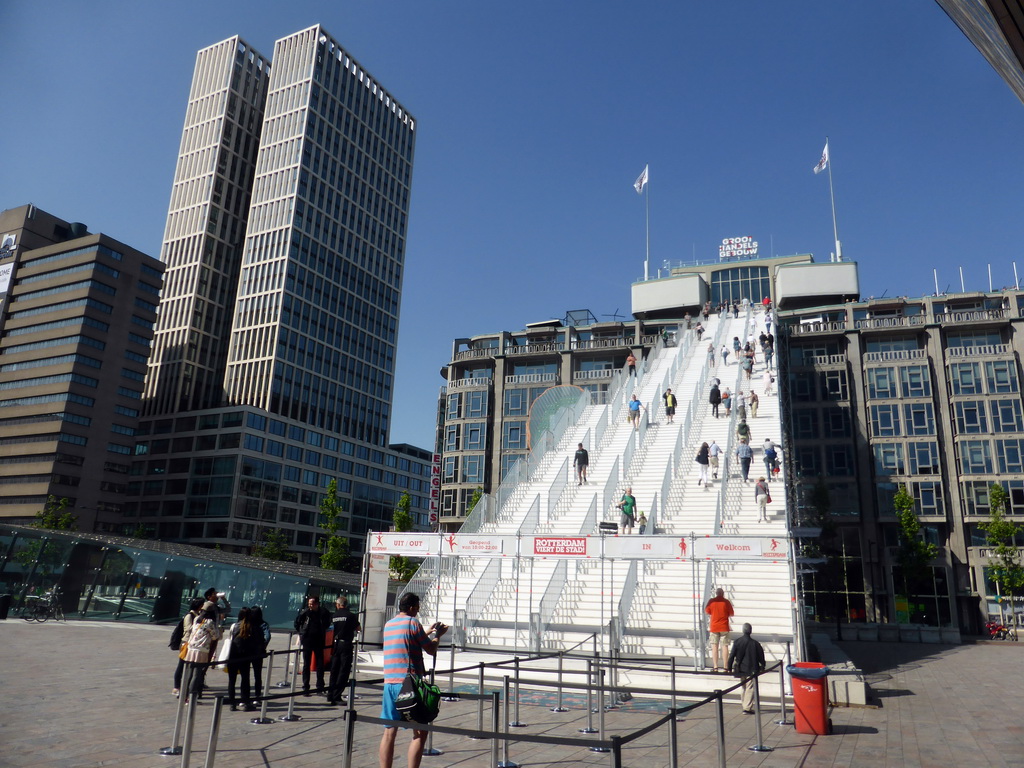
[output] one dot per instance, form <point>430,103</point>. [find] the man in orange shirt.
<point>720,610</point>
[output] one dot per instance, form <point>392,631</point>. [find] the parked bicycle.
<point>43,608</point>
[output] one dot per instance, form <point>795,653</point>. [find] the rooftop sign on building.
<point>733,247</point>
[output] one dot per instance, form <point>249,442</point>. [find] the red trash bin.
<point>810,697</point>
<point>329,647</point>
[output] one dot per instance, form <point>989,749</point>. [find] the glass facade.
<point>107,579</point>
<point>738,283</point>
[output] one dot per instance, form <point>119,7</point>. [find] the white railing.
<point>803,329</point>
<point>616,343</point>
<point>610,486</point>
<point>894,354</point>
<point>981,350</point>
<point>475,354</point>
<point>603,373</point>
<point>532,378</point>
<point>627,454</point>
<point>901,321</point>
<point>557,487</point>
<point>532,349</point>
<point>589,524</point>
<point>828,360</point>
<point>972,316</point>
<point>468,383</point>
<point>552,593</point>
<point>480,596</point>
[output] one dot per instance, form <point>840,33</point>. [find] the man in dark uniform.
<point>345,627</point>
<point>312,624</point>
<point>746,660</point>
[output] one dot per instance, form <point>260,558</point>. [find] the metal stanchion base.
<point>282,685</point>
<point>600,749</point>
<point>289,718</point>
<point>516,724</point>
<point>432,752</point>
<point>261,720</point>
<point>586,730</point>
<point>170,751</point>
<point>756,748</point>
<point>559,709</point>
<point>508,764</point>
<point>451,698</point>
<point>783,722</point>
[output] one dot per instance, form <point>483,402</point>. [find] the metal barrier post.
<point>558,706</point>
<point>495,725</point>
<point>515,720</point>
<point>590,700</point>
<point>783,717</point>
<point>616,751</point>
<point>291,716</point>
<point>600,716</point>
<point>350,733</point>
<point>759,747</point>
<point>190,724</point>
<point>720,724</point>
<point>506,763</point>
<point>263,719</point>
<point>480,703</point>
<point>673,744</point>
<point>284,681</point>
<point>186,683</point>
<point>211,747</point>
<point>430,751</point>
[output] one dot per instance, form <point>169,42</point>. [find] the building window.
<point>450,469</point>
<point>516,403</point>
<point>475,436</point>
<point>473,468</point>
<point>975,457</point>
<point>1001,376</point>
<point>915,381</point>
<point>919,419</point>
<point>1008,455</point>
<point>885,420</point>
<point>924,458</point>
<point>805,424</point>
<point>808,461</point>
<point>802,387</point>
<point>453,406</point>
<point>1006,415</point>
<point>513,436</point>
<point>834,386</point>
<point>965,378</point>
<point>881,383</point>
<point>452,437</point>
<point>839,460</point>
<point>970,417</point>
<point>476,404</point>
<point>889,459</point>
<point>837,422</point>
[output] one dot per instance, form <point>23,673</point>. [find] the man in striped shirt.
<point>404,644</point>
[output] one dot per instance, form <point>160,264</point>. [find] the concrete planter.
<point>910,633</point>
<point>888,633</point>
<point>931,635</point>
<point>867,633</point>
<point>950,635</point>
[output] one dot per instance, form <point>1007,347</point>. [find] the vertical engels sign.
<point>8,243</point>
<point>435,486</point>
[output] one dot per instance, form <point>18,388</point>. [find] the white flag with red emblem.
<point>823,163</point>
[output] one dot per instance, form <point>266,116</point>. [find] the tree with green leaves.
<point>1000,533</point>
<point>915,555</point>
<point>272,545</point>
<point>55,515</point>
<point>401,567</point>
<point>334,549</point>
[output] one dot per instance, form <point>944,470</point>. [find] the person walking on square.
<point>768,380</point>
<point>201,641</point>
<point>744,453</point>
<point>745,660</point>
<point>405,642</point>
<point>769,355</point>
<point>627,505</point>
<point>713,453</point>
<point>700,331</point>
<point>312,624</point>
<point>727,403</point>
<point>711,355</point>
<point>741,405</point>
<point>720,610</point>
<point>634,411</point>
<point>195,607</point>
<point>743,431</point>
<point>736,346</point>
<point>770,455</point>
<point>670,404</point>
<point>753,401</point>
<point>631,362</point>
<point>581,460</point>
<point>246,644</point>
<point>762,497</point>
<point>703,459</point>
<point>346,625</point>
<point>715,398</point>
<point>725,355</point>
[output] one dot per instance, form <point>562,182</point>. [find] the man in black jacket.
<point>746,659</point>
<point>345,627</point>
<point>312,624</point>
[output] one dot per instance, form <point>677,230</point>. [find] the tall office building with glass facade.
<point>281,346</point>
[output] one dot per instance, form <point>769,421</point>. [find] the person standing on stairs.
<point>753,401</point>
<point>763,498</point>
<point>627,505</point>
<point>770,455</point>
<point>631,362</point>
<point>634,411</point>
<point>670,404</point>
<point>725,355</point>
<point>720,610</point>
<point>744,453</point>
<point>581,461</point>
<point>713,452</point>
<point>715,398</point>
<point>711,355</point>
<point>703,459</point>
<point>727,403</point>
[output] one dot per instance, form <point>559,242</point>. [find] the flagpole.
<point>832,194</point>
<point>647,221</point>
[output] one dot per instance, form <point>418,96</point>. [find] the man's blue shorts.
<point>388,711</point>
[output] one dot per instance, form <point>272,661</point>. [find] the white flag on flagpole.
<point>641,181</point>
<point>823,163</point>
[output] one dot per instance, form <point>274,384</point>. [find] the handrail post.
<point>430,751</point>
<point>495,725</point>
<point>263,719</point>
<point>480,706</point>
<point>759,747</point>
<point>720,726</point>
<point>673,742</point>
<point>515,721</point>
<point>211,747</point>
<point>558,706</point>
<point>190,724</point>
<point>783,716</point>
<point>350,732</point>
<point>284,681</point>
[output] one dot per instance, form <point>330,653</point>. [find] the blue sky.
<point>534,119</point>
